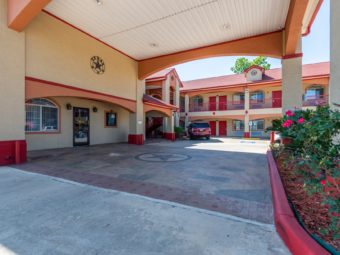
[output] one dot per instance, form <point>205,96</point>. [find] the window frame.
<point>314,87</point>
<point>240,102</point>
<point>264,122</point>
<point>256,101</point>
<point>55,106</point>
<point>233,125</point>
<point>105,119</point>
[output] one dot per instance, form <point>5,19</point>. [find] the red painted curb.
<point>295,237</point>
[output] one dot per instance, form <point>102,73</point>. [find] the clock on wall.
<point>97,65</point>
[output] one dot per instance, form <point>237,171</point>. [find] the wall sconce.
<point>68,106</point>
<point>94,109</point>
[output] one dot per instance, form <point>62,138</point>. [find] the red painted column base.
<point>136,139</point>
<point>170,136</point>
<point>246,135</point>
<point>13,152</point>
<point>295,237</point>
<point>272,137</point>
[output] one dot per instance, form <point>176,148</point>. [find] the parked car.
<point>199,129</point>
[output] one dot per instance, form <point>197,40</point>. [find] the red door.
<point>213,127</point>
<point>222,128</point>
<point>222,103</point>
<point>212,103</point>
<point>277,99</point>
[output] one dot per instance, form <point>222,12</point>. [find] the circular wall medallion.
<point>253,72</point>
<point>162,157</point>
<point>97,65</point>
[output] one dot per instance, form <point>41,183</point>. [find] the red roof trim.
<point>297,55</point>
<point>93,37</point>
<point>156,102</point>
<point>317,9</point>
<point>254,66</point>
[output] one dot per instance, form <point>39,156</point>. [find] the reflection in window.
<point>238,98</point>
<point>314,92</point>
<point>238,125</point>
<point>41,116</point>
<point>257,125</point>
<point>257,97</point>
<point>197,101</point>
<point>110,119</point>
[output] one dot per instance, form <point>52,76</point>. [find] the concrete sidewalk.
<point>46,215</point>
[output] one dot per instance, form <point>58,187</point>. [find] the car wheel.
<point>191,137</point>
<point>208,137</point>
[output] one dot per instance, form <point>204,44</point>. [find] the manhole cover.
<point>162,157</point>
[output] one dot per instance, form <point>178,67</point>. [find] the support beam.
<point>263,45</point>
<point>246,115</point>
<point>334,86</point>
<point>292,33</point>
<point>291,83</point>
<point>21,12</point>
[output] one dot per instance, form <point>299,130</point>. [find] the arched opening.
<point>154,121</point>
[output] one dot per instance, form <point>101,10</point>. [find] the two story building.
<point>243,105</point>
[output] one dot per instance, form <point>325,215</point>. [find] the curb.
<point>298,241</point>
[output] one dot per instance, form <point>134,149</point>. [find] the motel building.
<point>76,73</point>
<point>244,105</point>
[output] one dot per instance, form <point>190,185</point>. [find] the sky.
<point>315,47</point>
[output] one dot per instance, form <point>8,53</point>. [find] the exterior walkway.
<point>224,175</point>
<point>47,215</point>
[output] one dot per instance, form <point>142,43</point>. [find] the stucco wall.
<point>59,53</point>
<point>12,80</point>
<point>98,133</point>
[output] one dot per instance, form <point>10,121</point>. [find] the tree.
<point>243,63</point>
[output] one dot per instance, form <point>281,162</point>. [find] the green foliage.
<point>315,153</point>
<point>243,63</point>
<point>179,130</point>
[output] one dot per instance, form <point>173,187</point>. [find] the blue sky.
<point>315,49</point>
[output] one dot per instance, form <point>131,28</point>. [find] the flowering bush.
<point>314,156</point>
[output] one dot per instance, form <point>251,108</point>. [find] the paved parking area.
<point>223,175</point>
<point>47,215</point>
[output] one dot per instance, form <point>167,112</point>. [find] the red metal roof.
<point>155,101</point>
<point>308,71</point>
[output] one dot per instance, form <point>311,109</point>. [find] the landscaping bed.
<point>309,166</point>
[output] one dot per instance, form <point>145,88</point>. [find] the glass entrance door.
<point>81,126</point>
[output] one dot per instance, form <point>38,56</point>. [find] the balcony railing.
<point>266,103</point>
<point>315,100</point>
<point>216,107</point>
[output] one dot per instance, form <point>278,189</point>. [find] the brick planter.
<point>292,233</point>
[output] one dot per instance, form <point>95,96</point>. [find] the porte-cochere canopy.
<point>159,34</point>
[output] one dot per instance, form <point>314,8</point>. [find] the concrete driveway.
<point>40,214</point>
<point>224,175</point>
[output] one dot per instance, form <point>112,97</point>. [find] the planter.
<point>292,233</point>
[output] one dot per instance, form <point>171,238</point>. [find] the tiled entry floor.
<point>224,175</point>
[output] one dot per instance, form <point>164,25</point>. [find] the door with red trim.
<point>222,103</point>
<point>222,128</point>
<point>213,127</point>
<point>277,99</point>
<point>212,103</point>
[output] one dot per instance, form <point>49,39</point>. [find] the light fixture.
<point>153,45</point>
<point>68,106</point>
<point>94,109</point>
<point>99,2</point>
<point>226,26</point>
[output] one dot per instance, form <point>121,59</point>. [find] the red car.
<point>199,129</point>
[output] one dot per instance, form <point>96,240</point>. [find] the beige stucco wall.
<point>59,53</point>
<point>12,80</point>
<point>98,133</point>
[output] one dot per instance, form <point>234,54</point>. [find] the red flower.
<point>323,182</point>
<point>287,123</point>
<point>301,120</point>
<point>289,113</point>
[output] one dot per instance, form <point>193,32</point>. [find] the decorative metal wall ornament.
<point>97,65</point>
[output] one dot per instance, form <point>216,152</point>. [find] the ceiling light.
<point>99,2</point>
<point>226,26</point>
<point>153,45</point>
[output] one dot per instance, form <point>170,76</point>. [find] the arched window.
<point>42,115</point>
<point>314,92</point>
<point>257,97</point>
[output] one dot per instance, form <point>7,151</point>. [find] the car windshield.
<point>200,125</point>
